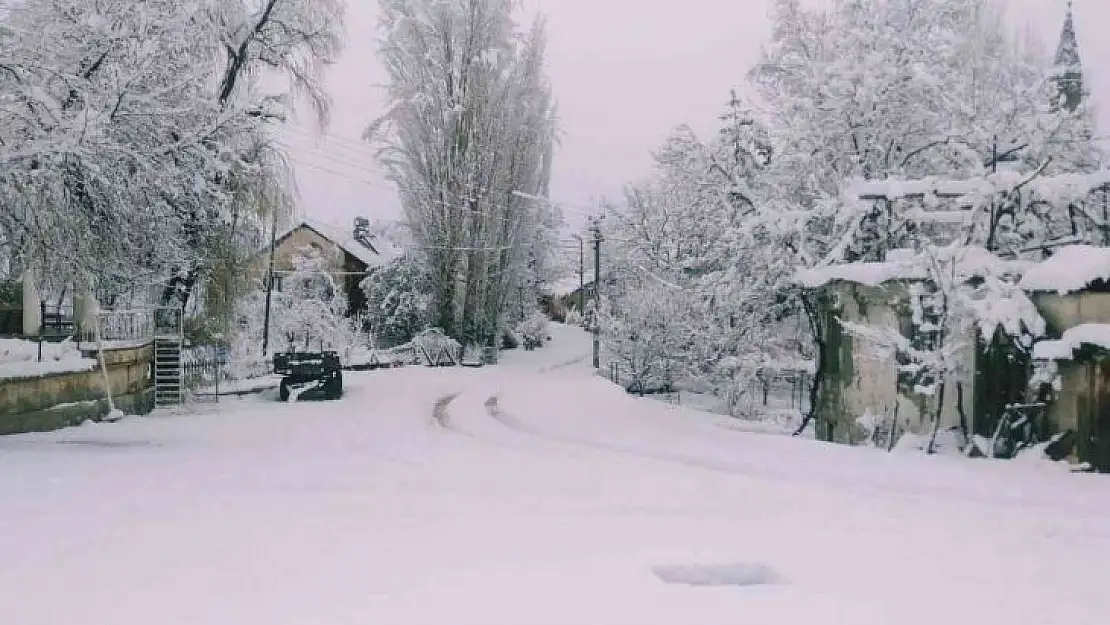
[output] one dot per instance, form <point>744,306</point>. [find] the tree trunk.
<point>813,316</point>
<point>936,424</point>
<point>444,290</point>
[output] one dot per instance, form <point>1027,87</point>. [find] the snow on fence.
<point>121,328</point>
<point>209,373</point>
<point>780,396</point>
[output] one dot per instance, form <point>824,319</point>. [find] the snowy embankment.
<point>535,495</point>
<point>20,359</point>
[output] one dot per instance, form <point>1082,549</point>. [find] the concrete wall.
<point>1063,413</point>
<point>1077,407</point>
<point>859,376</point>
<point>1062,312</point>
<point>49,402</point>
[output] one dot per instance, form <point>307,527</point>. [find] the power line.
<point>329,138</point>
<point>339,161</point>
<point>340,174</point>
<point>395,188</point>
<point>336,151</point>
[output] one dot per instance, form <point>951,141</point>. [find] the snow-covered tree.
<point>398,300</point>
<point>468,141</point>
<point>878,90</point>
<point>690,237</point>
<point>133,137</point>
<point>646,334</point>
<point>307,312</point>
<point>311,308</point>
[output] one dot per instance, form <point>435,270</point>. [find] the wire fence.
<point>767,394</point>
<point>788,390</point>
<point>208,373</point>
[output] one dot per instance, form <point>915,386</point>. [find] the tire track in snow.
<point>755,470</point>
<point>493,408</point>
<point>442,418</point>
<point>562,365</point>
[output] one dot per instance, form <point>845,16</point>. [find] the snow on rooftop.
<point>909,265</point>
<point>1072,268</point>
<point>1095,334</point>
<point>1059,189</point>
<point>345,239</point>
<point>867,273</point>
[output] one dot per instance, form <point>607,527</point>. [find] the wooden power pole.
<point>581,274</point>
<point>597,294</point>
<point>269,286</point>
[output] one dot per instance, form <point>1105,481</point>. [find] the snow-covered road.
<point>535,495</point>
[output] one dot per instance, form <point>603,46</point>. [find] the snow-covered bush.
<point>398,300</point>
<point>510,339</point>
<point>644,335</point>
<point>533,330</point>
<point>312,306</point>
<point>308,312</point>
<point>574,318</point>
<point>434,342</point>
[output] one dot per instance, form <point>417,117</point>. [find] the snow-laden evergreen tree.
<point>468,141</point>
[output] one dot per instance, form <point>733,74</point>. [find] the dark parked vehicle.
<point>309,375</point>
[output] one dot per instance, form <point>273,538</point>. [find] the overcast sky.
<point>625,72</point>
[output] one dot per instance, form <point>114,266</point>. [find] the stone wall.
<point>858,378</point>
<point>48,402</point>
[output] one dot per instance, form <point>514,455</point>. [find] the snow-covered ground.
<point>534,495</point>
<point>20,358</point>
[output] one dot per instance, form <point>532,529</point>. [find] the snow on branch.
<point>970,262</point>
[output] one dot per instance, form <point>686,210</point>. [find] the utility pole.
<point>581,274</point>
<point>597,294</point>
<point>269,286</point>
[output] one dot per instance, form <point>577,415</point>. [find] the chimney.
<point>362,231</point>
